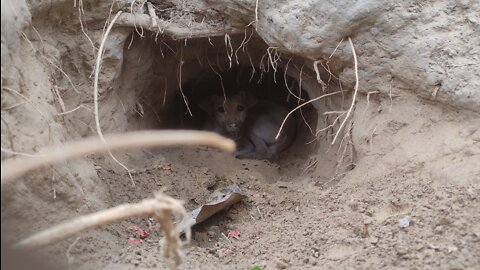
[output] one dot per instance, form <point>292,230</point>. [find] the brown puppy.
<point>253,124</point>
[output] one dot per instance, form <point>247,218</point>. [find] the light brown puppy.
<point>253,124</point>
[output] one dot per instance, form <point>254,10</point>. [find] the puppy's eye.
<point>221,109</point>
<point>240,108</point>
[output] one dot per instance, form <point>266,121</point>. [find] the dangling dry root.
<point>172,29</point>
<point>349,111</point>
<point>300,106</point>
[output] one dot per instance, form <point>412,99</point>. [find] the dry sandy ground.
<point>411,202</point>
<point>301,224</point>
<point>300,220</point>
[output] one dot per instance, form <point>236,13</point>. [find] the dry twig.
<point>336,48</point>
<point>298,102</point>
<point>256,15</point>
<point>80,12</point>
<point>161,207</point>
<point>286,84</point>
<point>368,101</point>
<point>75,109</point>
<point>319,79</point>
<point>153,14</point>
<point>229,48</point>
<point>243,44</point>
<point>180,64</point>
<point>221,80</point>
<point>13,169</point>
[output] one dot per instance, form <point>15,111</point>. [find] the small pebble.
<point>404,222</point>
<point>451,248</point>
<point>281,264</point>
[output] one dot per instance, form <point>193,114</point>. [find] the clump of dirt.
<point>399,188</point>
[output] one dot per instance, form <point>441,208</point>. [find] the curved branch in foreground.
<point>172,29</point>
<point>14,168</point>
<point>162,207</point>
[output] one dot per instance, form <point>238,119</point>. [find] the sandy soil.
<point>410,202</point>
<point>400,217</point>
<point>295,222</point>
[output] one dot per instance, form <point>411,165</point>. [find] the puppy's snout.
<point>232,127</point>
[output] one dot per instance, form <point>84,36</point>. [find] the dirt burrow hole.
<point>164,81</point>
<point>151,89</point>
<point>159,77</point>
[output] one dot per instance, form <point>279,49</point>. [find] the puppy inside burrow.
<point>250,110</point>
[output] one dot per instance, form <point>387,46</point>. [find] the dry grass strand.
<point>15,168</point>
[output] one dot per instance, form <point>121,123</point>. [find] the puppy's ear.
<point>247,99</point>
<point>206,105</point>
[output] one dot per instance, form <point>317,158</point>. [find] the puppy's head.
<point>229,113</point>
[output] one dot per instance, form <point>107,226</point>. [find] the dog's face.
<point>229,113</point>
